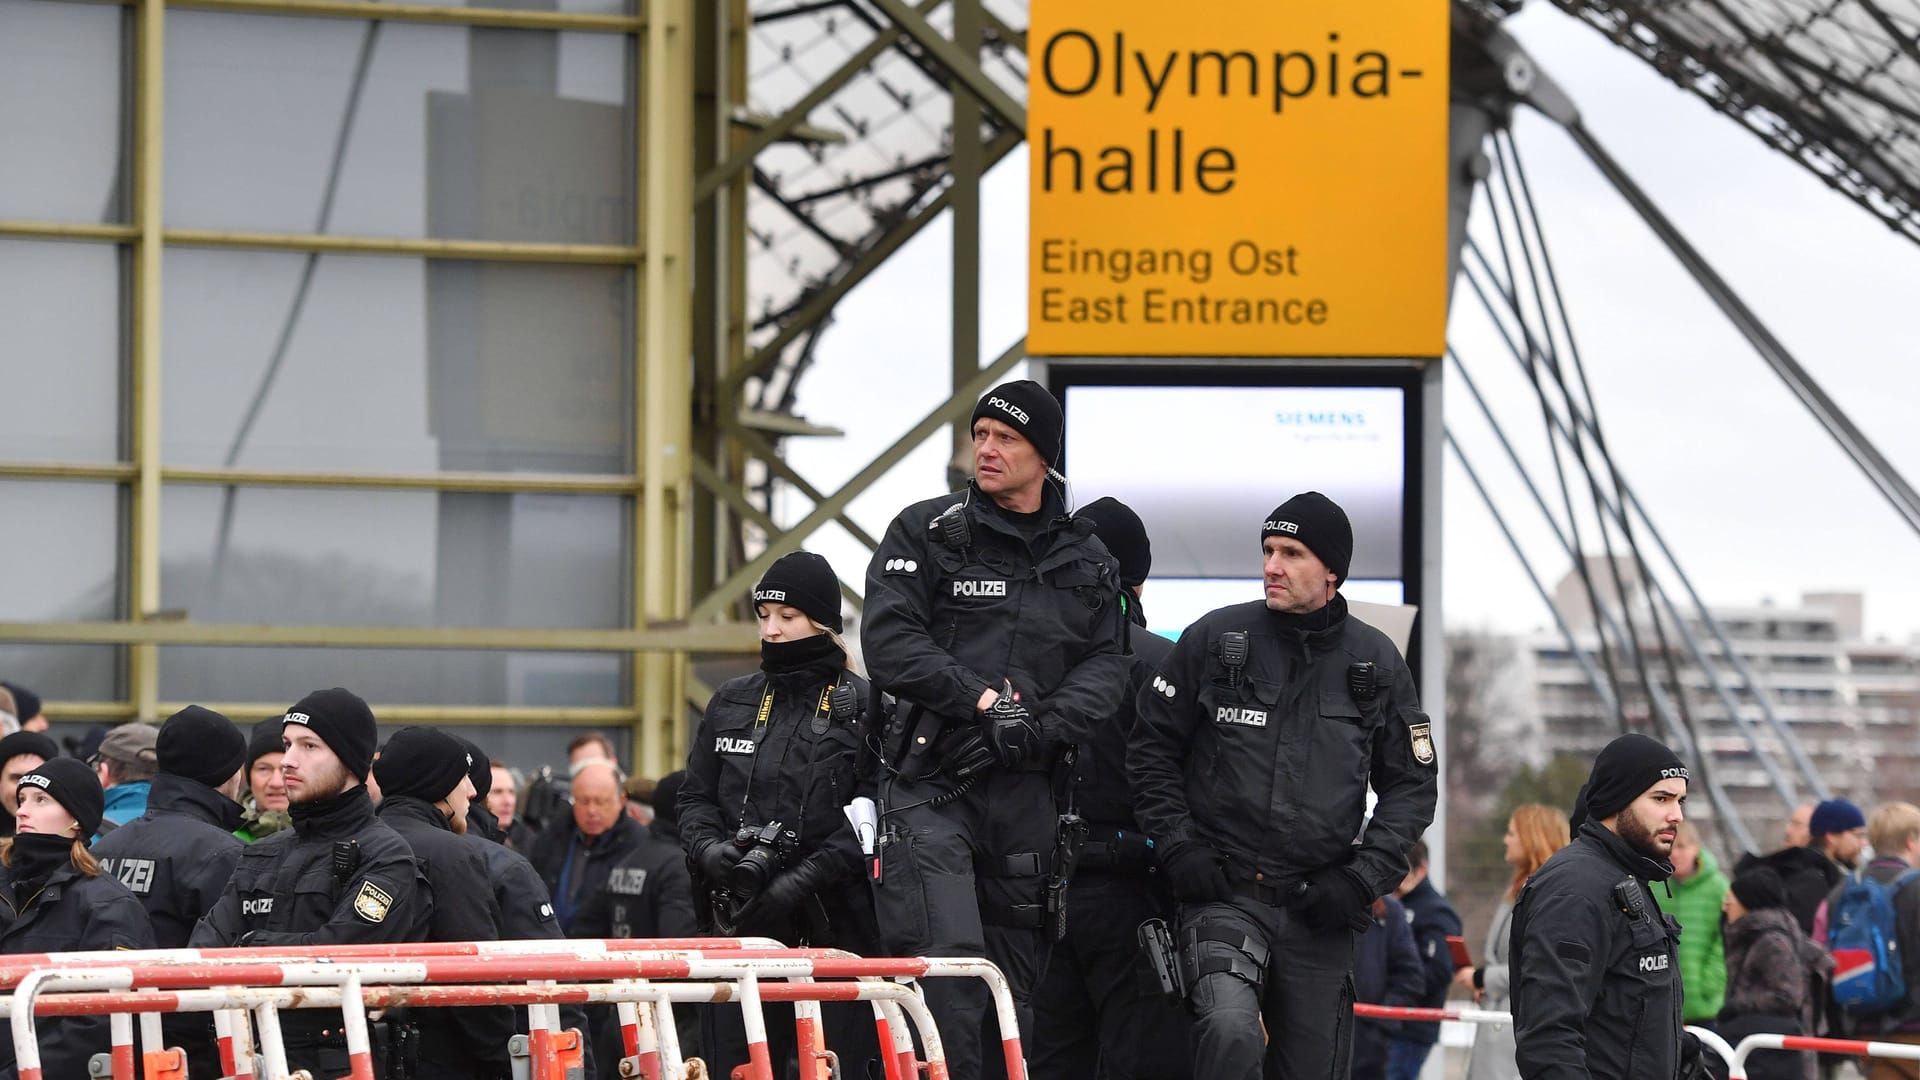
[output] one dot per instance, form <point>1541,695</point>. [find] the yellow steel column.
<point>662,591</point>
<point>144,561</point>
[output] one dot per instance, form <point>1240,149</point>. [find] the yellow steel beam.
<point>480,250</point>
<point>63,230</point>
<point>55,470</point>
<point>664,351</point>
<point>504,18</point>
<point>143,563</point>
<point>505,482</point>
<point>732,638</point>
<point>510,482</point>
<point>242,711</point>
<point>710,479</point>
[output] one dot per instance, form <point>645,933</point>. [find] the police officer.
<point>1255,746</point>
<point>339,876</point>
<point>422,774</point>
<point>779,755</point>
<point>1092,1015</point>
<point>53,898</point>
<point>178,856</point>
<point>526,911</point>
<point>993,615</point>
<point>1594,961</point>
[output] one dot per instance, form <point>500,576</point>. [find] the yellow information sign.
<point>1251,178</point>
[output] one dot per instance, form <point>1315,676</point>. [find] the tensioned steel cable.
<point>1579,560</point>
<point>1624,520</point>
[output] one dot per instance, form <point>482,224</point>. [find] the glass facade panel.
<point>300,125</point>
<point>62,100</point>
<point>60,551</point>
<point>66,672</point>
<point>394,676</point>
<point>62,324</point>
<point>394,558</point>
<point>377,363</point>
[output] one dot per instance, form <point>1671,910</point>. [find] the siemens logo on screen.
<point>1320,418</point>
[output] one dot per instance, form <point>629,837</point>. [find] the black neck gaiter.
<point>806,662</point>
<point>35,857</point>
<point>334,814</point>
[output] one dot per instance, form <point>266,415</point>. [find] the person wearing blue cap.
<point>1837,832</point>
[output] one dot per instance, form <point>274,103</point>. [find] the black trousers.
<point>1094,1015</point>
<point>966,878</point>
<point>1251,964</point>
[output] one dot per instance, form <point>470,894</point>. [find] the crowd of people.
<point>1190,859</point>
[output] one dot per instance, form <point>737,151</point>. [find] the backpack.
<point>1868,976</point>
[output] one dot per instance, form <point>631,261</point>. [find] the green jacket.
<point>1703,952</point>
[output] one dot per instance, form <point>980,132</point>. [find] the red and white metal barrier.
<point>225,980</point>
<point>1863,1048</point>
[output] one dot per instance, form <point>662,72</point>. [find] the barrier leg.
<point>121,1027</point>
<point>810,1040</point>
<point>353,1012</point>
<point>759,1064</point>
<point>542,1026</point>
<point>643,1045</point>
<point>273,1045</point>
<point>673,1066</point>
<point>160,1063</point>
<point>884,1030</point>
<point>241,1067</point>
<point>916,1007</point>
<point>903,1063</point>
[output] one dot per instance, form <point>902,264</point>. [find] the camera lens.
<point>750,874</point>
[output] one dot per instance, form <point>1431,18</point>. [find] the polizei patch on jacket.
<point>979,587</point>
<point>373,902</point>
<point>627,881</point>
<point>1422,742</point>
<point>1228,714</point>
<point>725,745</point>
<point>135,874</point>
<point>1656,962</point>
<point>261,906</point>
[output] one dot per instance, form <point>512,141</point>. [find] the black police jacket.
<point>1270,765</point>
<point>947,619</point>
<point>1596,966</point>
<point>1432,920</point>
<point>177,857</point>
<point>798,765</point>
<point>70,913</point>
<point>339,876</point>
<point>471,1039</point>
<point>1101,792</point>
<point>646,892</point>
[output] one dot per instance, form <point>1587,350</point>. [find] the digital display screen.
<point>1203,466</point>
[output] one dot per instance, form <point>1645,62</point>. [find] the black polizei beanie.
<point>74,786</point>
<point>423,762</point>
<point>1118,527</point>
<point>803,580</point>
<point>479,768</point>
<point>1625,769</point>
<point>1025,406</point>
<point>1318,522</point>
<point>344,722</point>
<point>200,744</point>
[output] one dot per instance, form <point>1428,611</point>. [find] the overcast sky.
<point>1756,500</point>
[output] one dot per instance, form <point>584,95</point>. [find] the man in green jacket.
<point>1698,888</point>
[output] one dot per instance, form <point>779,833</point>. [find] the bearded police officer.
<point>179,855</point>
<point>1255,746</point>
<point>425,795</point>
<point>1092,1015</point>
<point>339,876</point>
<point>993,615</point>
<point>1594,961</point>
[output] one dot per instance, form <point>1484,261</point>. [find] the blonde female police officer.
<point>779,755</point>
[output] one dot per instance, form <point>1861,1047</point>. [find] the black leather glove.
<point>1334,899</point>
<point>1011,728</point>
<point>790,888</point>
<point>716,858</point>
<point>1696,1062</point>
<point>1195,873</point>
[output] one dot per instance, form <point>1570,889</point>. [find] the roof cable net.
<point>1833,83</point>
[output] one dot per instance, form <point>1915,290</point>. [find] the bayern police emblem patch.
<point>373,903</point>
<point>1422,743</point>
